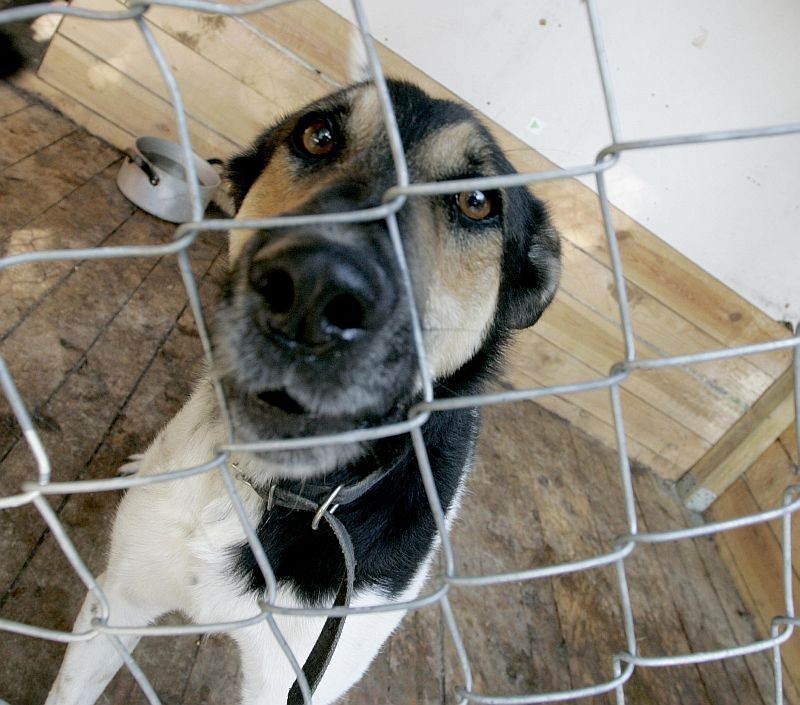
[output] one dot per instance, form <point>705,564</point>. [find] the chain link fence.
<point>36,491</point>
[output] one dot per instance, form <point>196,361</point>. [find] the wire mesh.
<point>36,491</point>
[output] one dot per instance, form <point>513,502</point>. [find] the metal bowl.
<point>154,178</point>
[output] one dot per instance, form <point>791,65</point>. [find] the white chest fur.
<point>171,550</point>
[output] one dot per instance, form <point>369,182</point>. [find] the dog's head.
<point>313,332</point>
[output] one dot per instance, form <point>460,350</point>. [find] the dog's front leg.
<point>266,673</point>
<point>89,665</point>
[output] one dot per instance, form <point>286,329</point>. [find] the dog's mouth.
<point>281,399</point>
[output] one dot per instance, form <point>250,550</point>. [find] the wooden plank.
<point>548,365</point>
<point>740,619</point>
<point>571,325</point>
<point>28,130</point>
<point>88,119</point>
<point>574,526</point>
<point>41,180</point>
<point>76,408</point>
<point>84,218</point>
<point>316,34</point>
<point>533,480</point>
<point>47,591</point>
<point>88,305</point>
<point>693,585</point>
<point>236,111</point>
<point>788,439</point>
<point>655,267</point>
<point>11,100</point>
<point>166,660</point>
<point>741,445</point>
<point>241,50</point>
<point>604,432</point>
<point>743,588</point>
<point>215,669</point>
<point>767,480</point>
<point>754,557</point>
<point>135,109</point>
<point>770,475</point>
<point>409,667</point>
<point>659,329</point>
<point>50,342</point>
<point>511,654</point>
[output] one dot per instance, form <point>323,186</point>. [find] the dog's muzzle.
<point>317,295</point>
<point>313,334</point>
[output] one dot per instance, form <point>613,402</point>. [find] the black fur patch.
<point>391,527</point>
<point>11,58</point>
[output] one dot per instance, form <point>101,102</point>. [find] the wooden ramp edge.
<point>741,445</point>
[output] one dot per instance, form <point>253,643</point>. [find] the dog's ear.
<point>531,260</point>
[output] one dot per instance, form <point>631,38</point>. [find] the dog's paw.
<point>132,466</point>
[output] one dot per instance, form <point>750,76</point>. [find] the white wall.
<point>677,66</point>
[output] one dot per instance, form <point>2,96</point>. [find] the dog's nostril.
<point>278,291</point>
<point>345,312</point>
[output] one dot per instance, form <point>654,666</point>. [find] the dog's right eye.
<point>477,205</point>
<point>315,136</point>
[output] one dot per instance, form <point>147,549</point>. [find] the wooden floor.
<point>105,352</point>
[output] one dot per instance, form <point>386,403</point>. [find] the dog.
<point>313,335</point>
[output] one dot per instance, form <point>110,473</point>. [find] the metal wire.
<point>623,664</point>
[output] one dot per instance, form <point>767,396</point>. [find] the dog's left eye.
<point>315,136</point>
<point>477,205</point>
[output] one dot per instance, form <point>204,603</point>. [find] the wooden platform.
<point>104,354</point>
<point>237,75</point>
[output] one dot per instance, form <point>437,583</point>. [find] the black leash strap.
<point>317,662</point>
<point>322,652</point>
<point>323,507</point>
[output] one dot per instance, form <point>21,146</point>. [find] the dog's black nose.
<point>317,294</point>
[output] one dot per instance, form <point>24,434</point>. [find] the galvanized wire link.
<point>622,666</point>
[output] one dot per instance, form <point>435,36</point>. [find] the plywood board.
<point>236,110</point>
<point>118,98</point>
<point>547,365</point>
<point>87,118</point>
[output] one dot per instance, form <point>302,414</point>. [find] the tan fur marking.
<point>275,192</point>
<point>366,118</point>
<point>447,151</point>
<point>272,193</point>
<point>461,282</point>
<point>461,275</point>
